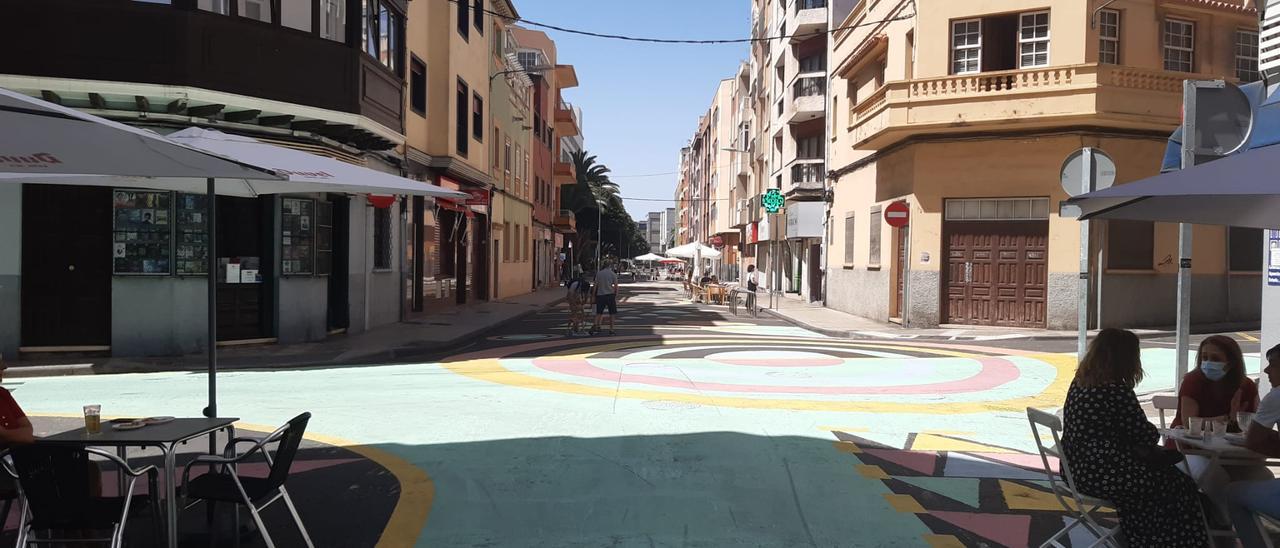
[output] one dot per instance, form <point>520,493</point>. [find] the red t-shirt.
<point>10,411</point>
<point>1214,397</point>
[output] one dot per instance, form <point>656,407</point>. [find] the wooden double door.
<point>996,273</point>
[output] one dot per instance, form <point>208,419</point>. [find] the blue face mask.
<point>1214,371</point>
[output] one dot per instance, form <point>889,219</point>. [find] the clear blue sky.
<point>640,102</point>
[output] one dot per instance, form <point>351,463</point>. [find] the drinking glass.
<point>1219,428</point>
<point>1243,420</point>
<point>1195,426</point>
<point>93,419</point>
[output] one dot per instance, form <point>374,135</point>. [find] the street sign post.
<point>897,214</point>
<point>1084,171</point>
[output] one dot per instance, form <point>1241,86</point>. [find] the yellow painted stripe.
<point>1248,337</point>
<point>847,447</point>
<point>925,441</point>
<point>872,471</point>
<point>417,490</point>
<point>906,504</point>
<point>943,541</point>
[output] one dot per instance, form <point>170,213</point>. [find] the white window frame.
<point>996,209</point>
<point>975,47</point>
<point>1166,48</point>
<point>1034,41</point>
<point>1255,45</point>
<point>1103,24</point>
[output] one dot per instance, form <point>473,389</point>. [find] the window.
<point>814,63</point>
<point>333,20</point>
<point>809,148</point>
<point>1109,37</point>
<point>1247,56</point>
<point>873,249</point>
<point>460,115</point>
<point>296,14</point>
<point>849,225</point>
<point>507,236</point>
<point>382,238</point>
<point>216,6</point>
<point>464,19</point>
<point>997,209</point>
<point>524,244</point>
<point>1131,245</point>
<point>1179,45</point>
<point>1033,39</point>
<point>418,86</point>
<point>477,117</point>
<point>528,59</point>
<point>506,159</point>
<point>382,30</point>
<point>1245,251</point>
<point>966,46</point>
<point>258,10</point>
<point>496,160</point>
<point>478,11</point>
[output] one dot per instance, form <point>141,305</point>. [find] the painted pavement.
<point>689,428</point>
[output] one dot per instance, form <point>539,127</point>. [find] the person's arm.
<point>1264,440</point>
<point>21,434</point>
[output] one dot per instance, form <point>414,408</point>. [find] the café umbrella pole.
<point>211,257</point>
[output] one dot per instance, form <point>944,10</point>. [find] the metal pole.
<point>906,277</point>
<point>599,232</point>
<point>211,226</point>
<point>1189,146</point>
<point>1082,307</point>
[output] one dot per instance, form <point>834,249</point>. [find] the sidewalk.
<point>395,342</point>
<point>834,323</point>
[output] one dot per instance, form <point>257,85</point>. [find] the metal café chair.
<point>225,485</point>
<point>57,487</point>
<point>1081,506</point>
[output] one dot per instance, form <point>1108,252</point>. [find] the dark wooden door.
<point>900,236</point>
<point>815,272</point>
<point>66,266</point>
<point>996,273</point>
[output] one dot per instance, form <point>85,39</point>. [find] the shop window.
<point>324,238</point>
<point>874,228</point>
<point>1131,245</point>
<point>192,247</point>
<point>418,86</point>
<point>1245,251</point>
<point>382,238</point>
<point>141,233</point>
<point>297,237</point>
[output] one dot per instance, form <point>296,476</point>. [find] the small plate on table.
<point>157,420</point>
<point>1236,438</point>
<point>122,420</point>
<point>128,425</point>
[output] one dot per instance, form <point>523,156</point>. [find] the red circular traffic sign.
<point>897,214</point>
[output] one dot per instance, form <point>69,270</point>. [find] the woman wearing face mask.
<point>1216,390</point>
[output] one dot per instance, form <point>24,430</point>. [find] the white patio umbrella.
<point>649,257</point>
<point>39,137</point>
<point>691,250</point>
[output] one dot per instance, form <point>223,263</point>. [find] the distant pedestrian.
<point>753,284</point>
<point>606,298</point>
<point>579,290</point>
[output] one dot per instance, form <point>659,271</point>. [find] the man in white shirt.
<point>606,297</point>
<point>1246,498</point>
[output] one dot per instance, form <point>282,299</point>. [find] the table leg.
<point>121,484</point>
<point>171,493</point>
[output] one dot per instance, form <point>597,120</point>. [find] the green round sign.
<point>773,200</point>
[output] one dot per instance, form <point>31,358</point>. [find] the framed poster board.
<point>142,234</point>
<point>191,249</point>
<point>324,238</point>
<point>297,236</point>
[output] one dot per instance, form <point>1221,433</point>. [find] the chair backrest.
<point>1162,403</point>
<point>58,485</point>
<point>289,437</point>
<point>1042,419</point>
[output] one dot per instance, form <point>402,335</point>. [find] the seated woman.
<point>1215,391</point>
<point>1113,453</point>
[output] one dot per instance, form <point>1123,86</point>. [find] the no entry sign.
<point>897,214</point>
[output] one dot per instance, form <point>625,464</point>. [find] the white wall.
<point>10,268</point>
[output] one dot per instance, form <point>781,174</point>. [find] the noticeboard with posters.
<point>191,248</point>
<point>142,234</point>
<point>297,236</point>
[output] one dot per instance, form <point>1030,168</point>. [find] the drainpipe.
<point>368,230</point>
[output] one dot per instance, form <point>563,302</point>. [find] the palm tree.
<point>593,184</point>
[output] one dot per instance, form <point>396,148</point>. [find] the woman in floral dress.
<point>1112,450</point>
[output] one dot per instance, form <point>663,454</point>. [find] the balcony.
<point>1105,96</point>
<point>193,49</point>
<point>563,172</point>
<point>742,214</point>
<point>808,98</point>
<point>565,222</point>
<point>567,120</point>
<point>806,175</point>
<point>808,18</point>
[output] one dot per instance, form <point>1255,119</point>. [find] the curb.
<point>1030,336</point>
<point>400,354</point>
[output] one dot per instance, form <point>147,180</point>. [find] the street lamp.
<point>599,230</point>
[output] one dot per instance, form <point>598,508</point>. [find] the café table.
<point>1228,450</point>
<point>166,437</point>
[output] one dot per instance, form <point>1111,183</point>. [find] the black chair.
<point>224,485</point>
<point>57,485</point>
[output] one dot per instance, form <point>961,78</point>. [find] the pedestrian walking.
<point>606,298</point>
<point>579,290</point>
<point>753,284</point>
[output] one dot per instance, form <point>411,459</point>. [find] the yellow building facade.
<point>965,112</point>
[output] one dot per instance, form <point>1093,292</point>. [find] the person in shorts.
<point>606,298</point>
<point>1247,498</point>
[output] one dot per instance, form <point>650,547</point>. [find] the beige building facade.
<point>965,112</point>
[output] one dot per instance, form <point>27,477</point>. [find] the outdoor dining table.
<point>166,437</point>
<point>1226,450</point>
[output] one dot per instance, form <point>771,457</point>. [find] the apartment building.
<point>512,94</point>
<point>964,111</point>
<point>653,228</point>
